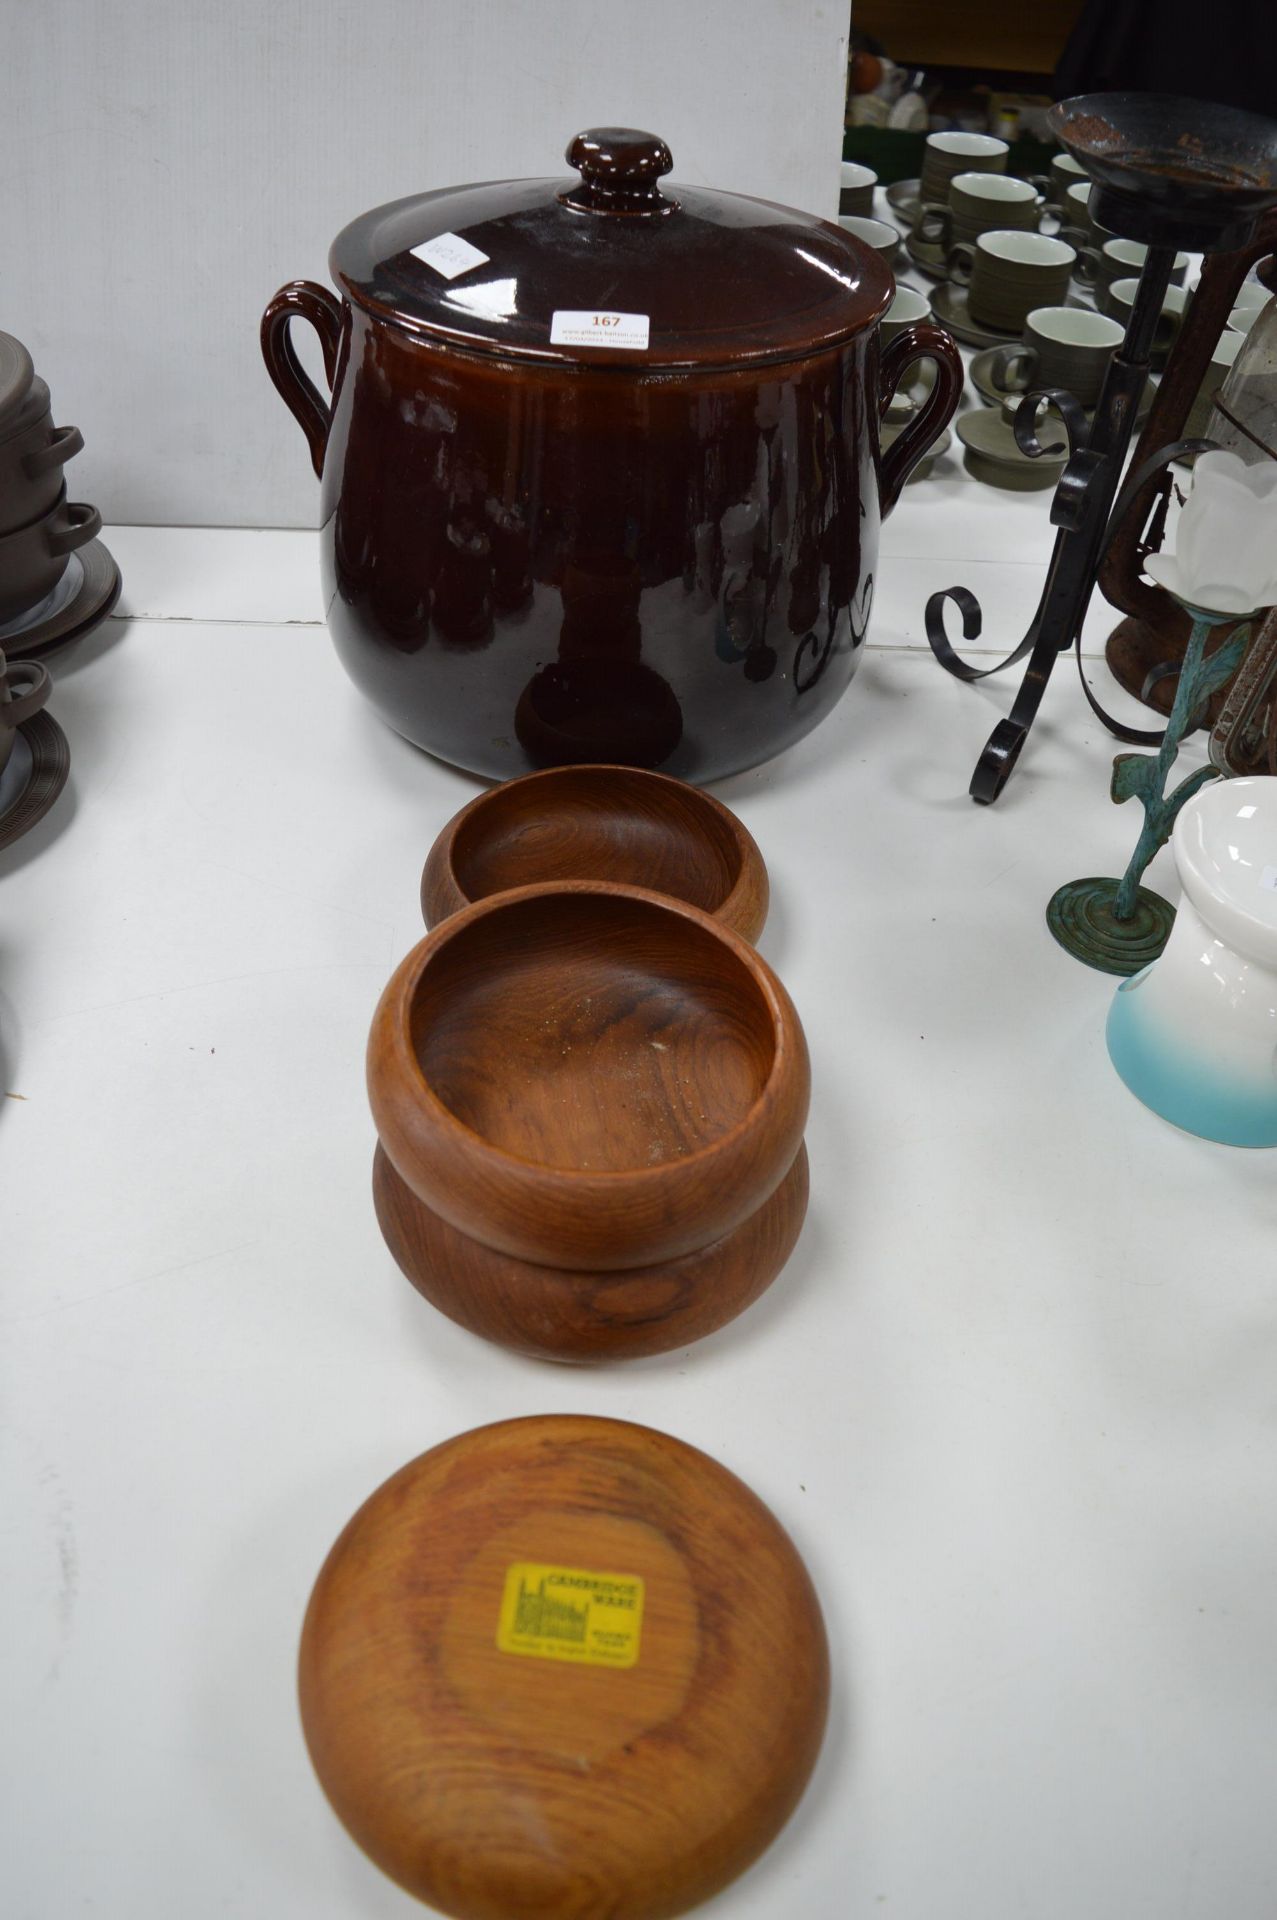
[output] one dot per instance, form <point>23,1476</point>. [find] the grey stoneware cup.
<point>1076,212</point>
<point>33,453</point>
<point>1007,274</point>
<point>1118,299</point>
<point>1065,173</point>
<point>1120,259</point>
<point>24,688</point>
<point>878,234</point>
<point>856,188</point>
<point>948,153</point>
<point>908,308</point>
<point>33,558</point>
<point>1063,347</point>
<point>979,203</point>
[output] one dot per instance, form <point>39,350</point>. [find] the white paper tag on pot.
<point>1268,878</point>
<point>449,255</point>
<point>569,329</point>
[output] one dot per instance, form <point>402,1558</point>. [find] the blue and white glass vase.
<point>1195,1034</point>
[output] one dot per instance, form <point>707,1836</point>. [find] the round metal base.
<point>1080,916</point>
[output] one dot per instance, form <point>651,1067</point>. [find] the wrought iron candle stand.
<point>1145,650</point>
<point>1171,173</point>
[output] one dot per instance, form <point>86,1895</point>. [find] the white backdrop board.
<point>167,167</point>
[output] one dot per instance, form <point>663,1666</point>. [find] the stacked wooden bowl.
<point>599,824</point>
<point>590,1092</point>
<point>567,1666</point>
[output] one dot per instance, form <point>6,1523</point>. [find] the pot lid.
<point>16,376</point>
<point>612,267</point>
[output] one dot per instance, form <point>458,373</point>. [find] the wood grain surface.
<point>508,1785</point>
<point>599,823</point>
<point>588,1076</point>
<point>556,1314</point>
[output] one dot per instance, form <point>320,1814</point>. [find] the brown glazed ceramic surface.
<point>638,828</point>
<point>588,1076</point>
<point>536,553</point>
<point>507,1779</point>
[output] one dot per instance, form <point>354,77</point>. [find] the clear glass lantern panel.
<point>1245,421</point>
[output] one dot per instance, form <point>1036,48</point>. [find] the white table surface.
<point>1013,1396</point>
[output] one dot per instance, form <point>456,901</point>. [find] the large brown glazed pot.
<point>602,477</point>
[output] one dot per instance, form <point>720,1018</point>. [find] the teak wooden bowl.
<point>588,1075</point>
<point>599,823</point>
<point>567,1667</point>
<point>554,1313</point>
<point>593,1079</point>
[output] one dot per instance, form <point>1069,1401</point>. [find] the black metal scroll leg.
<point>1080,510</point>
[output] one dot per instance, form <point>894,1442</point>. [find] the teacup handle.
<point>1008,357</point>
<point>961,264</point>
<point>931,229</point>
<point>1087,269</point>
<point>303,300</point>
<point>921,342</point>
<point>18,708</point>
<point>83,523</point>
<point>1076,238</point>
<point>66,442</point>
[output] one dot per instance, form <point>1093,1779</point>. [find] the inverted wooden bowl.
<point>589,1077</point>
<point>599,823</point>
<point>557,1314</point>
<point>566,1667</point>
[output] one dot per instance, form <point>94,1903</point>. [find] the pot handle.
<point>302,299</point>
<point>922,342</point>
<point>65,442</point>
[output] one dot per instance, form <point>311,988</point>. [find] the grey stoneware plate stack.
<point>57,580</point>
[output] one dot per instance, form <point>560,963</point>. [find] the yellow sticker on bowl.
<point>564,1613</point>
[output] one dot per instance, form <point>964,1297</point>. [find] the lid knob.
<point>619,169</point>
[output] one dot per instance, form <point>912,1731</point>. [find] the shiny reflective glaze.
<point>525,569</point>
<point>535,557</point>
